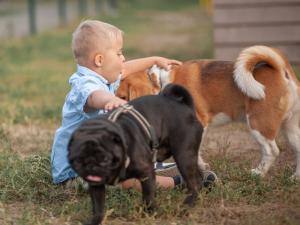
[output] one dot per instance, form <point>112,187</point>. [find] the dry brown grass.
<point>28,139</point>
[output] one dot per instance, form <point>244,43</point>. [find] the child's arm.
<point>136,65</point>
<point>102,100</point>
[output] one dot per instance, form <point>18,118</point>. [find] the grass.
<point>34,76</point>
<point>237,195</point>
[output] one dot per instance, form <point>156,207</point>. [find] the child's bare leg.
<point>162,182</point>
<point>131,183</point>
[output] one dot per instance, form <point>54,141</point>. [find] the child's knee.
<point>131,183</point>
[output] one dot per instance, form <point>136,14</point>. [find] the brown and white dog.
<point>260,87</point>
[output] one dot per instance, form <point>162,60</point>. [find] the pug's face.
<point>96,155</point>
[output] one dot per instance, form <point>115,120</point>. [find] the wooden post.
<point>241,23</point>
<point>98,6</point>
<point>112,7</point>
<point>32,16</point>
<point>113,4</point>
<point>62,12</point>
<point>82,7</point>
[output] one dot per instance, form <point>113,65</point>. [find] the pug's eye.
<point>105,159</point>
<point>104,163</point>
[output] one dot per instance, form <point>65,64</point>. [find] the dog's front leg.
<point>193,186</point>
<point>97,194</point>
<point>187,165</point>
<point>148,190</point>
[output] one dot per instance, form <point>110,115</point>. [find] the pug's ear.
<point>119,138</point>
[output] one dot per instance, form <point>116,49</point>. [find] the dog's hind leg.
<point>264,120</point>
<point>187,164</point>
<point>202,165</point>
<point>269,152</point>
<point>291,129</point>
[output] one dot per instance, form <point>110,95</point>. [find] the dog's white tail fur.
<point>244,67</point>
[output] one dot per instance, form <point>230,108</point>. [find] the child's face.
<point>112,61</point>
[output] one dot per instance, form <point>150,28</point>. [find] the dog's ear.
<point>132,93</point>
<point>154,81</point>
<point>119,138</point>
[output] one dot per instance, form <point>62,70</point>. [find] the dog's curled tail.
<point>245,64</point>
<point>178,93</point>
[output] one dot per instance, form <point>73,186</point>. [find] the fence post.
<point>62,12</point>
<point>82,7</point>
<point>32,16</point>
<point>112,7</point>
<point>98,6</point>
<point>113,4</point>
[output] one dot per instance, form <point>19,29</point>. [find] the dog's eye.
<point>105,161</point>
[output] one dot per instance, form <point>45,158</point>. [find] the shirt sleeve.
<point>82,90</point>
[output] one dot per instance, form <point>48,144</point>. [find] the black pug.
<point>105,152</point>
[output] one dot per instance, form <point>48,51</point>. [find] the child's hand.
<point>114,103</point>
<point>164,62</point>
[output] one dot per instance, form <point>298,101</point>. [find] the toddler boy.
<point>97,49</point>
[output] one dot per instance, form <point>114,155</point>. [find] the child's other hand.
<point>164,62</point>
<point>114,103</point>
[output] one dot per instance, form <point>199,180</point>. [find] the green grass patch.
<point>29,181</point>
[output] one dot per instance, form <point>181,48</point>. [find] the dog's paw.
<point>150,208</point>
<point>93,223</point>
<point>96,220</point>
<point>295,177</point>
<point>190,200</point>
<point>257,172</point>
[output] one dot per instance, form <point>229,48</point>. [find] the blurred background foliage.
<point>35,67</point>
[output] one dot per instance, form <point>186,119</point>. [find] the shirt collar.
<point>88,72</point>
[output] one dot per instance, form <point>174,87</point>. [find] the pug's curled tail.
<point>179,94</point>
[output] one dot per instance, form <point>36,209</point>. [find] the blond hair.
<point>91,36</point>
